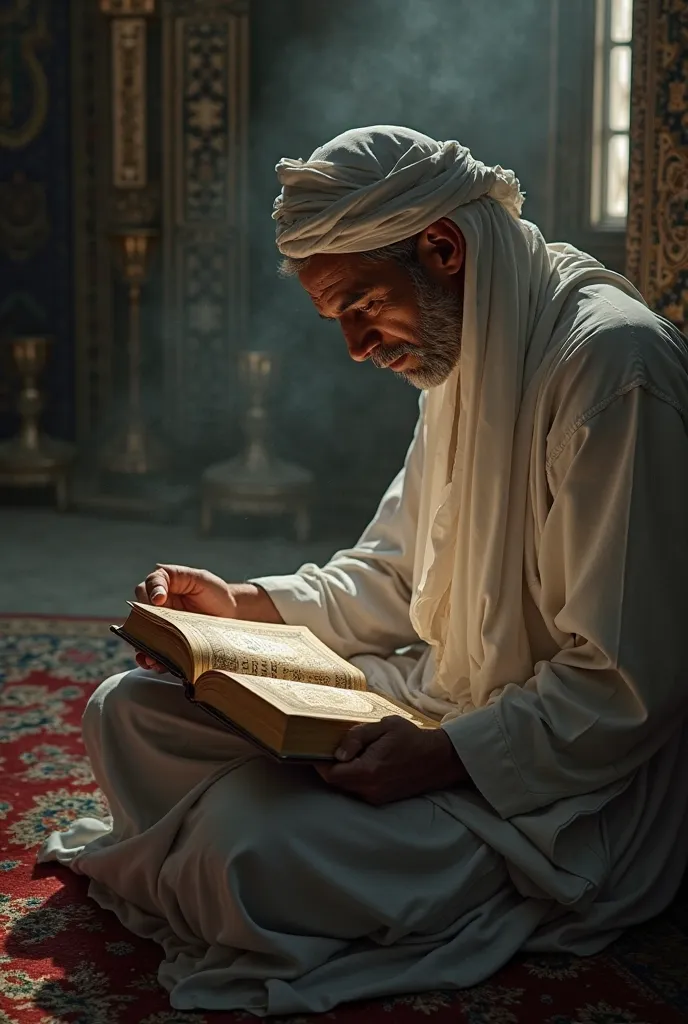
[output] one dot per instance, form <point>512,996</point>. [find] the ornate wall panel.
<point>127,6</point>
<point>35,200</point>
<point>657,239</point>
<point>205,54</point>
<point>129,157</point>
<point>91,152</point>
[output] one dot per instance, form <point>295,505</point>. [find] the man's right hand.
<point>197,590</point>
<point>189,590</point>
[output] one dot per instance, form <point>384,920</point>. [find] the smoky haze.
<point>474,70</point>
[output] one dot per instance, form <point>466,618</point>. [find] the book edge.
<point>142,648</point>
<point>304,631</point>
<point>238,730</point>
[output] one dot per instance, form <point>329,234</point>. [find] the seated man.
<point>533,552</point>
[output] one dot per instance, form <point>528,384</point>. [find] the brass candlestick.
<point>32,459</point>
<point>256,482</point>
<point>133,451</point>
<point>130,464</point>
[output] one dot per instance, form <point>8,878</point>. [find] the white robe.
<point>271,892</point>
<point>602,716</point>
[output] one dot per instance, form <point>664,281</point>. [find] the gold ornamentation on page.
<point>129,156</point>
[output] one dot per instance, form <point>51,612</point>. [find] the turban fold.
<point>374,186</point>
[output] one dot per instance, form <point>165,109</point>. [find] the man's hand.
<point>189,590</point>
<point>393,760</point>
<point>197,590</point>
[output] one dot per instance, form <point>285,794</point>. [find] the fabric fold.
<point>373,186</point>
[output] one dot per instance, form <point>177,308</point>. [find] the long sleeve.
<point>613,567</point>
<point>359,602</point>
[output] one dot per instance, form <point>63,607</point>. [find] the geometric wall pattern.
<point>657,237</point>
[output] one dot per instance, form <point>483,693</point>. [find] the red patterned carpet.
<point>65,960</point>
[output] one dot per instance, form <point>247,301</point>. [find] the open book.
<point>277,685</point>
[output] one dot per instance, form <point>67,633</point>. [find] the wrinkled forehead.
<point>326,271</point>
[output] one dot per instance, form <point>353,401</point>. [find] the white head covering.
<point>372,187</point>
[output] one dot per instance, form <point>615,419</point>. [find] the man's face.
<point>402,318</point>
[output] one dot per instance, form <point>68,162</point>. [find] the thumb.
<point>158,585</point>
<point>358,738</point>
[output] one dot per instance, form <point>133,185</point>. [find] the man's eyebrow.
<point>350,300</point>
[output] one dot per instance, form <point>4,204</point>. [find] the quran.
<point>276,685</point>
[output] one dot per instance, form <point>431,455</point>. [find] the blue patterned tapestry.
<point>657,240</point>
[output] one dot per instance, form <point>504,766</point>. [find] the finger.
<point>141,593</point>
<point>359,737</point>
<point>359,770</point>
<point>180,579</point>
<point>157,586</point>
<point>143,661</point>
<point>358,773</point>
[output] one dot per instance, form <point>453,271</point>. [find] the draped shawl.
<point>374,186</point>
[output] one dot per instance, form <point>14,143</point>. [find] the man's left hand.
<point>392,760</point>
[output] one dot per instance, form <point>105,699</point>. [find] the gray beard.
<point>439,334</point>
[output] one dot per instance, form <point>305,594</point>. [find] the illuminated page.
<point>307,701</point>
<point>259,649</point>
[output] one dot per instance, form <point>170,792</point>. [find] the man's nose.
<point>361,341</point>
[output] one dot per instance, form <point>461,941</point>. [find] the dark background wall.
<point>35,215</point>
<point>478,72</point>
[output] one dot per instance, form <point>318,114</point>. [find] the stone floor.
<point>78,565</point>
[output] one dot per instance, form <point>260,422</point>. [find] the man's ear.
<point>441,249</point>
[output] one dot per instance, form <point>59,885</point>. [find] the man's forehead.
<point>329,271</point>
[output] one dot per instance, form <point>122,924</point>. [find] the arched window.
<point>591,149</point>
<point>611,113</point>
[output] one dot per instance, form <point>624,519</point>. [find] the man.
<point>524,581</point>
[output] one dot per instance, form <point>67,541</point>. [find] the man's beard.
<point>439,334</point>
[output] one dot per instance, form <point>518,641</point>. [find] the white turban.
<point>373,186</point>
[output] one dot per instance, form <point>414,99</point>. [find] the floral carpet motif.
<point>63,959</point>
